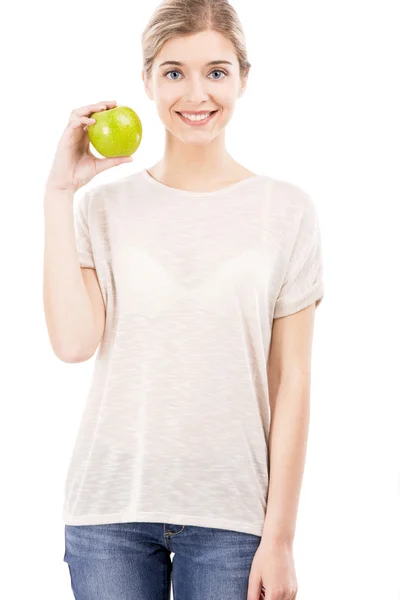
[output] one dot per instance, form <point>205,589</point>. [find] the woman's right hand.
<point>74,165</point>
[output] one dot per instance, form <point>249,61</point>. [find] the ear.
<point>242,90</point>
<point>243,85</point>
<point>147,85</point>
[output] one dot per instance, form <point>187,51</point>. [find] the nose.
<point>196,90</point>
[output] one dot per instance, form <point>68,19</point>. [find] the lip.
<point>197,123</point>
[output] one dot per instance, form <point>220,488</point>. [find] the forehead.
<point>197,49</point>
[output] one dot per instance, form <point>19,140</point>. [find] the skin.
<point>289,378</point>
<point>196,159</point>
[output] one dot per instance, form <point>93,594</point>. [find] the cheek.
<point>165,95</point>
<point>225,96</point>
<point>167,104</point>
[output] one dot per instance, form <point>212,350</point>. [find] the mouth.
<point>197,122</point>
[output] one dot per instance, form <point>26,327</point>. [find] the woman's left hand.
<point>272,574</point>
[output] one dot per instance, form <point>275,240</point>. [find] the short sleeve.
<point>82,232</point>
<point>303,283</point>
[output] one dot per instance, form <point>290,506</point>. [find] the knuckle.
<point>277,594</point>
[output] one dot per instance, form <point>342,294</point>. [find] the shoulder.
<point>291,214</point>
<point>290,198</point>
<point>99,196</point>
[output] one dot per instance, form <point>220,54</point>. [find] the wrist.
<point>51,193</point>
<point>277,540</point>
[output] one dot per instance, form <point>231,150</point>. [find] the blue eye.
<point>218,71</point>
<point>168,72</point>
<point>214,71</point>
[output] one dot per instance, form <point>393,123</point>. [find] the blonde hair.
<point>174,18</point>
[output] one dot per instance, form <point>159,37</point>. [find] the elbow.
<point>72,356</point>
<point>76,358</point>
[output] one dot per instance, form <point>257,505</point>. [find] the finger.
<point>91,108</point>
<point>76,122</point>
<point>106,163</point>
<point>253,588</point>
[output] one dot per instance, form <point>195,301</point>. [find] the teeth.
<point>196,117</point>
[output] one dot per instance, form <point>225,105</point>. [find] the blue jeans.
<point>132,561</point>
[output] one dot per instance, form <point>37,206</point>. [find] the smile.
<point>196,121</point>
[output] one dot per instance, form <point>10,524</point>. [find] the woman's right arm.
<point>73,303</point>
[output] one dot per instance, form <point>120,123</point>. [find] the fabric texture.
<point>132,561</point>
<point>176,422</point>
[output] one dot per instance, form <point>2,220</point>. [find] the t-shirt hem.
<point>86,259</point>
<point>157,517</point>
<point>284,308</point>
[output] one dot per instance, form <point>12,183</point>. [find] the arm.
<point>73,305</point>
<point>288,366</point>
<point>288,371</point>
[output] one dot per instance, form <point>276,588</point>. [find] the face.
<point>195,86</point>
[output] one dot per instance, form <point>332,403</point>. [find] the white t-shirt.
<point>176,423</point>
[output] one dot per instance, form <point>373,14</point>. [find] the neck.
<point>190,165</point>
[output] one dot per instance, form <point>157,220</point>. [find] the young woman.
<point>197,281</point>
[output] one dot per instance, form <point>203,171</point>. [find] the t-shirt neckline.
<point>225,189</point>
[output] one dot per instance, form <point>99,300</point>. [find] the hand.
<point>74,165</point>
<point>272,574</point>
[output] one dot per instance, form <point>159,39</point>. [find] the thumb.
<point>108,163</point>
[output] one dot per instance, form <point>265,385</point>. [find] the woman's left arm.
<point>289,366</point>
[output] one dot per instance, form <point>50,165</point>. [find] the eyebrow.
<point>213,62</point>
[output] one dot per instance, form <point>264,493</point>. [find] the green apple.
<point>117,131</point>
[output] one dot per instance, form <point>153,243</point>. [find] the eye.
<point>173,71</point>
<point>214,71</point>
<point>219,71</point>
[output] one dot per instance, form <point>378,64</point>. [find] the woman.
<point>197,280</point>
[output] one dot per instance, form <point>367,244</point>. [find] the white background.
<point>321,110</point>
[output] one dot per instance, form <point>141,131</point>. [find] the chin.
<point>198,140</point>
<point>192,138</point>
